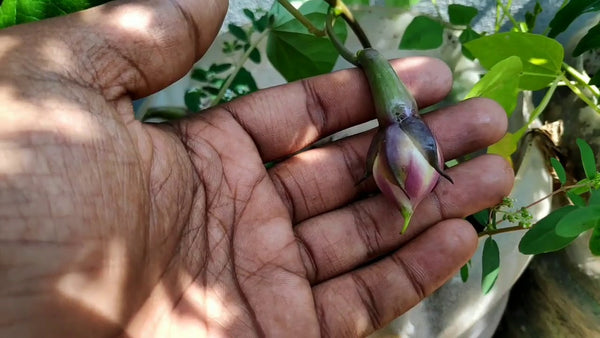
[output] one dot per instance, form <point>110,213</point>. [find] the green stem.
<point>544,103</point>
<point>564,188</point>
<point>344,52</point>
<point>238,66</point>
<point>506,11</point>
<point>301,18</point>
<point>539,74</point>
<point>540,108</point>
<point>499,231</point>
<point>498,17</point>
<point>581,79</point>
<point>580,94</point>
<point>437,9</point>
<point>342,10</point>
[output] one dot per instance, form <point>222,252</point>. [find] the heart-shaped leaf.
<point>501,84</point>
<point>461,15</point>
<point>541,56</point>
<point>422,32</point>
<point>297,53</point>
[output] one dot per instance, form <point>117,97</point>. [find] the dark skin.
<point>113,227</point>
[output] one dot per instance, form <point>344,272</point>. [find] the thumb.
<point>120,48</point>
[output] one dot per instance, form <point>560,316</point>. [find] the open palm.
<point>109,226</point>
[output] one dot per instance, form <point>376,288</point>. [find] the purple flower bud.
<point>404,157</point>
<point>405,163</point>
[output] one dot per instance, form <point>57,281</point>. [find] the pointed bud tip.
<point>407,214</point>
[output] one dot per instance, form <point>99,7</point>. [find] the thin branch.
<point>342,10</point>
<point>344,52</point>
<point>437,9</point>
<point>564,188</point>
<point>301,18</point>
<point>506,12</point>
<point>582,79</point>
<point>238,66</point>
<point>581,95</point>
<point>501,230</point>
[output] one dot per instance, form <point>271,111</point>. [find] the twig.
<point>301,18</point>
<point>238,66</point>
<point>580,94</point>
<point>342,10</point>
<point>344,52</point>
<point>581,79</point>
<point>501,230</point>
<point>506,12</point>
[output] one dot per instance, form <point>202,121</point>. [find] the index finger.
<point>285,119</point>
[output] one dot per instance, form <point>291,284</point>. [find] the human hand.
<point>110,226</point>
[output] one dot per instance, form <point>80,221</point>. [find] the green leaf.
<point>461,15</point>
<point>595,80</point>
<point>211,90</point>
<point>227,47</point>
<point>14,12</point>
<point>542,57</point>
<point>464,271</point>
<point>501,84</point>
<point>193,98</point>
<point>238,32</point>
<point>295,52</point>
<point>199,74</point>
<point>490,264</point>
<point>422,33</point>
<point>219,67</point>
<point>467,35</point>
<point>578,221</point>
<point>243,83</point>
<point>8,13</point>
<point>585,187</point>
<point>262,23</point>
<point>255,55</point>
<point>403,4</point>
<point>559,169</point>
<point>280,14</point>
<point>530,18</point>
<point>482,216</point>
<point>575,198</point>
<point>587,158</point>
<point>594,198</point>
<point>249,14</point>
<point>595,241</point>
<point>542,237</point>
<point>237,46</point>
<point>568,13</point>
<point>217,82</point>
<point>591,40</point>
